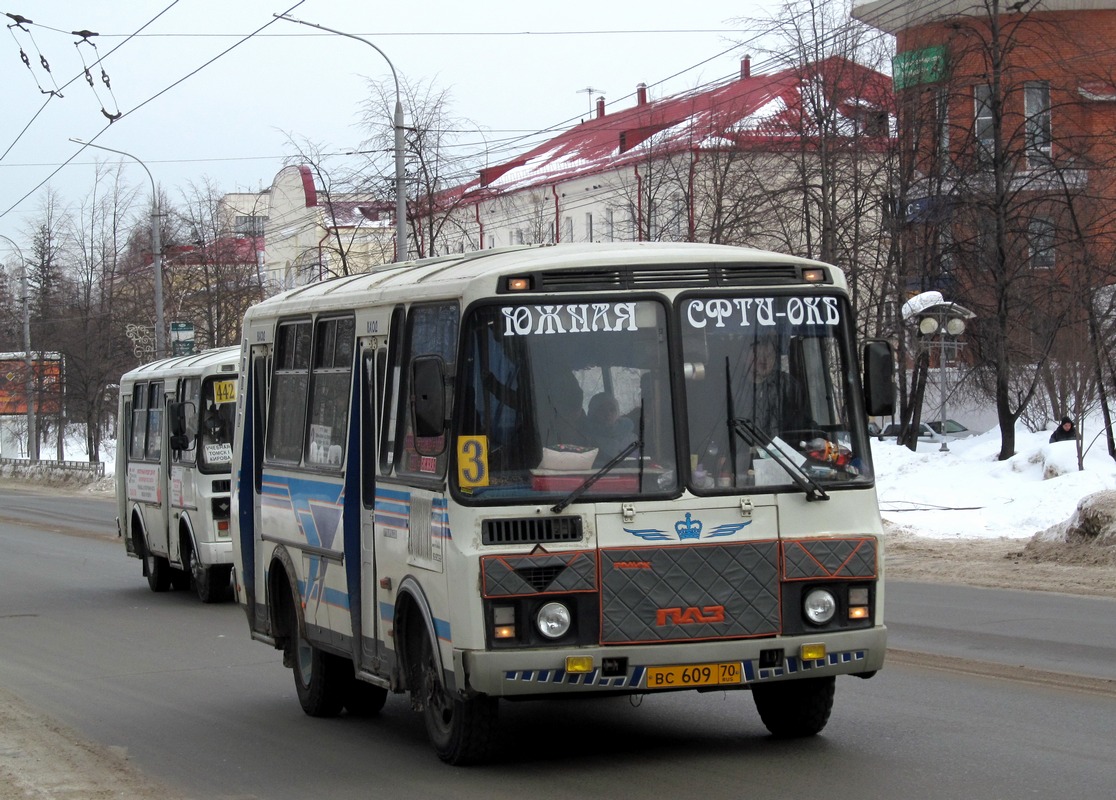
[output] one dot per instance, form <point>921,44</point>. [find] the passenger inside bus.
<point>608,431</point>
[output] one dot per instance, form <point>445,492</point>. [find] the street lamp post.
<point>29,384</point>
<point>937,317</point>
<point>156,249</point>
<point>400,176</point>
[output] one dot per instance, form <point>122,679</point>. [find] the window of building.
<point>610,225</point>
<point>1040,241</point>
<point>249,226</point>
<point>588,227</point>
<point>941,120</point>
<point>1036,109</point>
<point>982,122</point>
<point>567,229</point>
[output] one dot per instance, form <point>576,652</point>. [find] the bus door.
<point>368,620</point>
<point>182,424</point>
<point>157,515</point>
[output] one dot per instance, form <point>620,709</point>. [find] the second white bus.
<point>173,462</point>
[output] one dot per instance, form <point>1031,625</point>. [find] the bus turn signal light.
<point>812,652</point>
<point>579,665</point>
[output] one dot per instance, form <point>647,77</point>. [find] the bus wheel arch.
<point>462,729</point>
<point>322,680</point>
<point>210,582</point>
<point>156,568</point>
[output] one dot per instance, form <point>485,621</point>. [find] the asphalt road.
<point>202,708</point>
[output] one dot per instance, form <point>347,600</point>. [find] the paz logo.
<point>688,528</point>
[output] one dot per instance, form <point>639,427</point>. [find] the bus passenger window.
<point>138,421</point>
<point>285,426</point>
<point>329,392</point>
<point>154,422</point>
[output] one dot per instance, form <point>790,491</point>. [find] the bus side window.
<point>289,384</point>
<point>138,421</point>
<point>154,421</point>
<point>329,392</point>
<point>260,371</point>
<point>189,394</point>
<point>432,331</point>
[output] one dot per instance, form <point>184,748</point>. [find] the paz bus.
<point>549,472</point>
<point>173,468</point>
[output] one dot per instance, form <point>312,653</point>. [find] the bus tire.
<point>797,708</point>
<point>321,679</point>
<point>158,571</point>
<point>210,583</point>
<point>462,731</point>
<point>365,699</point>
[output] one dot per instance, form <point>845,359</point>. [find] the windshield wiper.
<point>755,437</point>
<point>559,507</point>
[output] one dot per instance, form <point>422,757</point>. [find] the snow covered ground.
<point>966,493</point>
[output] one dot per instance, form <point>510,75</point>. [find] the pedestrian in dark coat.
<point>1066,432</point>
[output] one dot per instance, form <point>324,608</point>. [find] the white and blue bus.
<point>572,470</point>
<point>173,468</point>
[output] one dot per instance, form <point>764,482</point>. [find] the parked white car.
<point>931,431</point>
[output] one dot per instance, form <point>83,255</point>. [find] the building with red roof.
<point>704,165</point>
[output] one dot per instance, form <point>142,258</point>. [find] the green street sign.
<point>916,67</point>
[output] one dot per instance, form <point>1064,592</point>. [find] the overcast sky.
<point>512,68</point>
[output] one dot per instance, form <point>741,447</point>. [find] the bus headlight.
<point>553,620</point>
<point>819,606</point>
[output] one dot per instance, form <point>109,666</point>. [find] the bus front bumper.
<point>634,669</point>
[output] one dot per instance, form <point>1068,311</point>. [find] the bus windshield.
<point>770,387</point>
<point>554,395</point>
<point>218,415</point>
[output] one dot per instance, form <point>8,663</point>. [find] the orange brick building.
<point>1007,111</point>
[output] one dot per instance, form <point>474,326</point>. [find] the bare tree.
<point>213,271</point>
<point>437,167</point>
<point>1027,221</point>
<point>96,349</point>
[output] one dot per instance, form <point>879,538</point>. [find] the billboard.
<point>47,371</point>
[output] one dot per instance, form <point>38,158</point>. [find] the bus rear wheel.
<point>462,731</point>
<point>794,709</point>
<point>157,569</point>
<point>321,679</point>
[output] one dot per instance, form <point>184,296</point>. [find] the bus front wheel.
<point>462,731</point>
<point>210,583</point>
<point>797,708</point>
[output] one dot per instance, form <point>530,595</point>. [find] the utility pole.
<point>400,175</point>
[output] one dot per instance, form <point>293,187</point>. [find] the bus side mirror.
<point>177,414</point>
<point>428,395</point>
<point>879,378</point>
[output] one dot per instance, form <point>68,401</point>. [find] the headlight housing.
<point>819,606</point>
<point>554,620</point>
